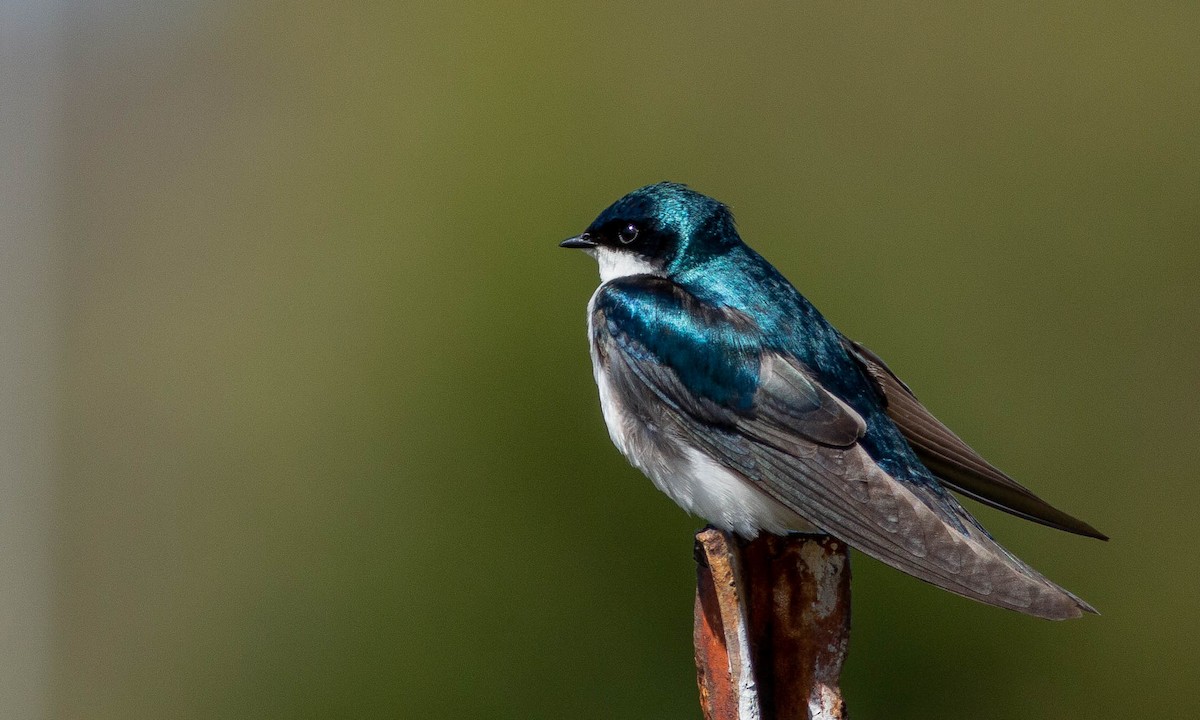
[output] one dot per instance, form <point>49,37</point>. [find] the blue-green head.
<point>660,229</point>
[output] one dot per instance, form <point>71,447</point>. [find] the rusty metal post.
<point>772,625</point>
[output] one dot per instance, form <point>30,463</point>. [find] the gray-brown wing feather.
<point>845,493</point>
<point>891,521</point>
<point>952,460</point>
<point>833,484</point>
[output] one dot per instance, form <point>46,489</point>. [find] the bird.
<point>736,397</point>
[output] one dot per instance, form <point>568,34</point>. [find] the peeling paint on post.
<point>724,658</point>
<point>772,626</point>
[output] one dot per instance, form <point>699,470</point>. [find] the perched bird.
<point>740,401</point>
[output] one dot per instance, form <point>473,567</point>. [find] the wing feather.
<point>797,443</point>
<point>952,460</point>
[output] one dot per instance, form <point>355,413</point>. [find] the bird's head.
<point>657,230</point>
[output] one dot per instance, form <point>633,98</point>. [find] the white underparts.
<point>727,500</point>
<point>695,481</point>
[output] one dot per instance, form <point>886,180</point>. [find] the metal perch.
<point>772,624</point>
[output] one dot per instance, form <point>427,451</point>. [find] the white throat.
<point>614,264</point>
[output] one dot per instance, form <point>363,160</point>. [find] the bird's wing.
<point>711,366</point>
<point>951,459</point>
<point>704,377</point>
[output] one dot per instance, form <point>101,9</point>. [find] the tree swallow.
<point>740,401</point>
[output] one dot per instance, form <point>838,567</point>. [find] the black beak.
<point>579,242</point>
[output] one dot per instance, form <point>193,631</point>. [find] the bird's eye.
<point>628,234</point>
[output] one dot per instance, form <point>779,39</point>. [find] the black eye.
<point>628,234</point>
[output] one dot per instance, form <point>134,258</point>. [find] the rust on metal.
<point>772,625</point>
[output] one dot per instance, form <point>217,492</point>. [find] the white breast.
<point>694,480</point>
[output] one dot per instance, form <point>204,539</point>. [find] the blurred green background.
<point>319,437</point>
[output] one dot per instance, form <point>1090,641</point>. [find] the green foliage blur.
<point>332,446</point>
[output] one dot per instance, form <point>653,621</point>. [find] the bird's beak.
<point>579,242</point>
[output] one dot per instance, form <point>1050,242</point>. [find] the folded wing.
<point>761,414</point>
<point>952,460</point>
